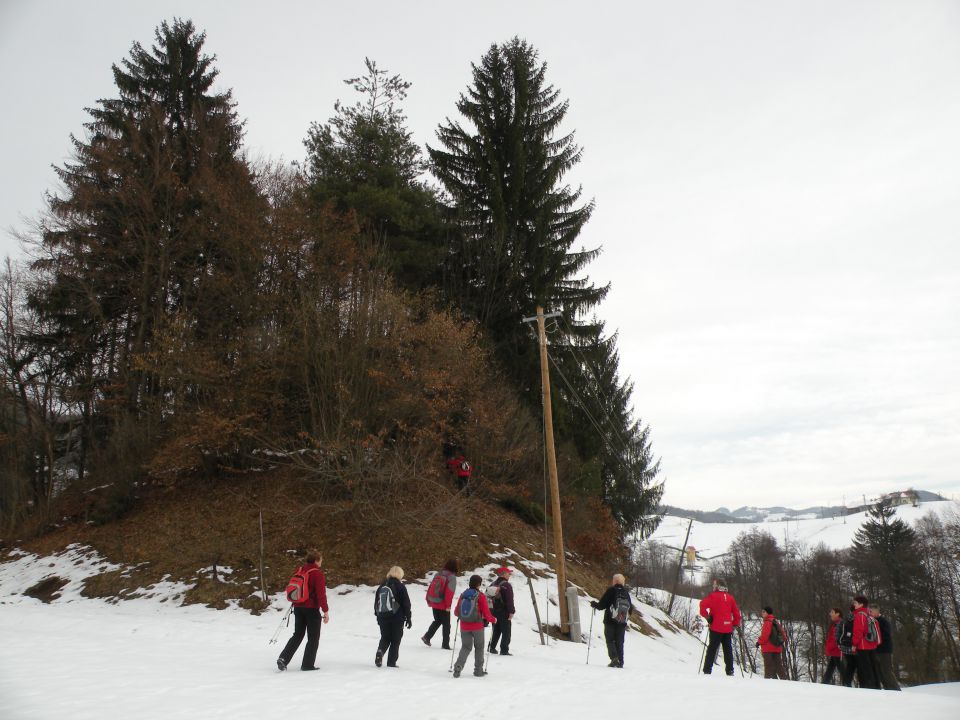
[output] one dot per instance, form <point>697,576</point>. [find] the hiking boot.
<point>426,641</point>
<point>282,664</point>
<point>492,650</point>
<point>480,674</point>
<point>456,672</point>
<point>510,654</point>
<point>613,663</point>
<point>309,668</point>
<point>445,647</point>
<point>378,660</point>
<point>730,674</point>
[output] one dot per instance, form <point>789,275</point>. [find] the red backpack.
<point>437,592</point>
<point>298,589</point>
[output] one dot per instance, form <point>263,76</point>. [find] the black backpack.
<point>775,637</point>
<point>844,636</point>
<point>385,604</point>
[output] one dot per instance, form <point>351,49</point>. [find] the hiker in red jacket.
<point>306,615</point>
<point>866,638</point>
<point>440,594</point>
<point>831,649</point>
<point>459,466</point>
<point>474,613</point>
<point>722,614</point>
<point>771,642</point>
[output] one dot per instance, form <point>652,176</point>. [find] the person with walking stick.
<point>722,615</point>
<point>308,600</point>
<point>616,606</point>
<point>473,612</point>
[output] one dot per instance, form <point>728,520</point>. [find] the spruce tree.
<point>364,160</point>
<point>503,167</point>
<point>886,562</point>
<point>155,234</point>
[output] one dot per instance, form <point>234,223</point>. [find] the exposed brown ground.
<point>180,534</point>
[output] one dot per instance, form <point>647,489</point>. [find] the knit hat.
<point>768,610</point>
<point>504,571</point>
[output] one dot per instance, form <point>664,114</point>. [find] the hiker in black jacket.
<point>391,605</point>
<point>503,609</point>
<point>884,651</point>
<point>614,630</point>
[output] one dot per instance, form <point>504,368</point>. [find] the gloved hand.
<point>594,604</point>
<point>486,622</point>
<point>758,643</point>
<point>709,619</point>
<point>408,624</point>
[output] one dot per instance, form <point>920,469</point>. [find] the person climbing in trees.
<point>722,615</point>
<point>440,595</point>
<point>391,605</point>
<point>460,467</point>
<point>616,606</point>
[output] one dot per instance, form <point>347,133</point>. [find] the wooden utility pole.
<point>552,471</point>
<point>676,580</point>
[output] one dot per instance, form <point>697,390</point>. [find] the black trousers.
<point>391,632</point>
<point>886,675</point>
<point>305,620</point>
<point>441,619</point>
<point>716,640</point>
<point>867,670</point>
<point>501,631</point>
<point>863,664</point>
<point>613,633</point>
<point>849,669</point>
<point>833,665</point>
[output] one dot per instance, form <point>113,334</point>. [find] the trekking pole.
<point>284,619</point>
<point>590,636</point>
<point>454,646</point>
<point>486,660</point>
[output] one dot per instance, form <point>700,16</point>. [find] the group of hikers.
<point>474,609</point>
<point>859,645</point>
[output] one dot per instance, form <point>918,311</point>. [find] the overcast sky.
<point>777,188</point>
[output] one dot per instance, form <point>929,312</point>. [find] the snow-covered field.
<point>151,658</point>
<point>712,539</point>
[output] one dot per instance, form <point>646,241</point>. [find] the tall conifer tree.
<point>503,166</point>
<point>364,160</point>
<point>158,222</point>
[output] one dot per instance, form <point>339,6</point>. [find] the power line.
<point>602,399</point>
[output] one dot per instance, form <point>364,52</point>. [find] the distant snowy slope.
<point>711,539</point>
<point>151,659</point>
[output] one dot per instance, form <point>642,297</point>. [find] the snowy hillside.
<point>151,658</point>
<point>712,539</point>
